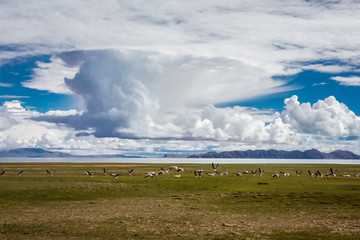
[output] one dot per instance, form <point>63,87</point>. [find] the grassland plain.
<point>71,205</point>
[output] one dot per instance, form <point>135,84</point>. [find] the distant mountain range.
<point>41,153</point>
<point>309,154</point>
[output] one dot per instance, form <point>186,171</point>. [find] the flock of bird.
<point>199,173</point>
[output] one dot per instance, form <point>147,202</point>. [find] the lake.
<point>184,160</point>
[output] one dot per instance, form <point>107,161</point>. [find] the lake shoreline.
<point>182,160</point>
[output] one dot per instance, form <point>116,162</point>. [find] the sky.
<point>150,78</point>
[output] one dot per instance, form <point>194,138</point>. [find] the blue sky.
<point>153,78</point>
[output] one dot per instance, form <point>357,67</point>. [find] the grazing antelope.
<point>130,171</point>
<point>180,169</point>
<point>2,173</point>
<point>239,174</point>
<point>276,175</point>
<point>50,173</point>
<point>245,172</point>
<point>20,172</point>
<point>298,172</point>
<point>286,174</point>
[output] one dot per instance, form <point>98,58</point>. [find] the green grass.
<point>73,205</point>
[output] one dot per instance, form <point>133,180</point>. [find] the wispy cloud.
<point>348,81</point>
<point>319,84</point>
<point>329,68</point>
<point>8,85</point>
<point>300,30</point>
<point>13,96</point>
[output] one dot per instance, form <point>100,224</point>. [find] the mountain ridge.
<point>272,153</point>
<point>41,153</point>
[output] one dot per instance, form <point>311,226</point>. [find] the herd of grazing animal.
<point>199,173</point>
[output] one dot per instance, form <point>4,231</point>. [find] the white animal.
<point>224,173</point>
<point>197,174</point>
<point>239,174</point>
<point>115,175</point>
<point>150,174</point>
<point>177,176</point>
<point>347,175</point>
<point>333,172</point>
<point>89,173</point>
<point>173,167</point>
<point>163,171</point>
<point>275,175</point>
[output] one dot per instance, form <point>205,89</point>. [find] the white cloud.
<point>347,81</point>
<point>13,96</point>
<point>319,84</point>
<point>175,58</point>
<point>267,33</point>
<point>9,85</point>
<point>51,76</point>
<point>326,117</point>
<point>328,68</point>
<point>136,94</point>
<point>6,120</point>
<point>215,129</point>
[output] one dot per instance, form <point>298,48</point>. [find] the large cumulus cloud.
<point>147,95</point>
<point>326,117</point>
<point>6,119</point>
<point>137,94</point>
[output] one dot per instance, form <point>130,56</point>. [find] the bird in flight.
<point>50,173</point>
